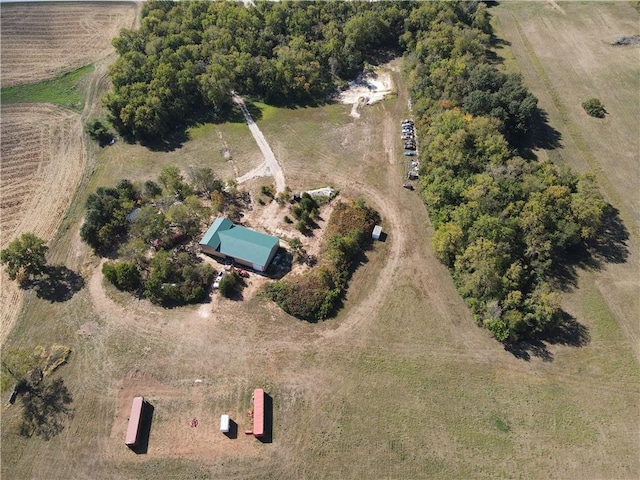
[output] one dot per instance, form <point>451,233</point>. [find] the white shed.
<point>377,231</point>
<point>224,423</point>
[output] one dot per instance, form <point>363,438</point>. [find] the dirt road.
<point>270,165</point>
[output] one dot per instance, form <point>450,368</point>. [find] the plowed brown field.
<point>42,161</point>
<point>41,41</point>
<point>42,153</point>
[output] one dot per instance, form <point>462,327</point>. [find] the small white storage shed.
<point>377,231</point>
<point>224,423</point>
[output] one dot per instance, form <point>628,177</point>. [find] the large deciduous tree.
<point>24,257</point>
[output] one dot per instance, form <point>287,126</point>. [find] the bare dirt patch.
<point>367,89</point>
<point>41,41</point>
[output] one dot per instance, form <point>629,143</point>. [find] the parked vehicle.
<point>408,186</point>
<point>410,153</point>
<point>409,147</point>
<point>216,282</point>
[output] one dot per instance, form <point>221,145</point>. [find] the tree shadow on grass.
<point>541,135</point>
<point>46,409</point>
<point>609,246</point>
<point>57,284</point>
<point>568,332</point>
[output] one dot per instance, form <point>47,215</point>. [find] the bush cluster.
<point>305,212</point>
<point>145,226</point>
<point>594,107</point>
<point>317,294</point>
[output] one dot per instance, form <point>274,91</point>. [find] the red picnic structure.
<point>258,412</point>
<point>135,418</point>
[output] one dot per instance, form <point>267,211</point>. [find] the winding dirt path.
<point>270,166</point>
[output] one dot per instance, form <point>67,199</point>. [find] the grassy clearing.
<point>65,90</point>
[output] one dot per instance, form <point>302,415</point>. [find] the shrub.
<point>287,219</point>
<point>594,107</point>
<point>99,132</point>
<point>123,275</point>
<point>229,285</point>
<point>268,191</point>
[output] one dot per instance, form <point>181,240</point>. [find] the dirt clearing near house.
<point>41,41</point>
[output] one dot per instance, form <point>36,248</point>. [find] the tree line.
<point>503,225</point>
<point>187,57</point>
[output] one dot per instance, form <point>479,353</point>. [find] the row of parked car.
<point>409,137</point>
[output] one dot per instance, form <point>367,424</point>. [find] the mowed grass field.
<point>401,384</point>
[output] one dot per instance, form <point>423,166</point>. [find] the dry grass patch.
<point>40,41</point>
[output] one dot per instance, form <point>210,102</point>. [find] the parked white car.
<point>216,282</point>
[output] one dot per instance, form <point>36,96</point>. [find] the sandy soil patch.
<point>367,89</point>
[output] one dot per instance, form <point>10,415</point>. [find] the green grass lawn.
<point>64,90</point>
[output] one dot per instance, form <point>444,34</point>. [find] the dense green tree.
<point>24,257</point>
<point>204,181</point>
<point>173,181</point>
<point>229,284</point>
<point>123,275</point>
<point>188,58</point>
<point>105,220</point>
<point>149,224</point>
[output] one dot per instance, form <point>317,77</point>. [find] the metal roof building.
<point>247,247</point>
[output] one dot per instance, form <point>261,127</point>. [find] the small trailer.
<point>377,231</point>
<point>224,423</point>
<point>258,412</point>
<point>135,419</point>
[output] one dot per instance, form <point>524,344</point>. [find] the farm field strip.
<point>39,43</point>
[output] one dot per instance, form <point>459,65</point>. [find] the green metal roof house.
<point>249,248</point>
